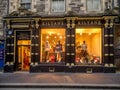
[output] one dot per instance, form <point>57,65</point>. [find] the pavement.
<point>60,80</point>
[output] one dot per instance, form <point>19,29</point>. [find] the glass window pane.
<point>25,1</point>
<point>96,4</point>
<point>93,5</point>
<point>58,6</point>
<point>52,45</point>
<point>88,46</point>
<point>89,5</point>
<point>27,6</point>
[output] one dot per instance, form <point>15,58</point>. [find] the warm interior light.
<point>88,30</point>
<point>52,35</point>
<point>60,37</point>
<point>47,37</point>
<point>92,37</point>
<point>80,34</point>
<point>58,34</point>
<point>90,33</point>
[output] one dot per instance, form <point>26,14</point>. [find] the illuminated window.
<point>52,45</point>
<point>93,5</point>
<point>58,6</point>
<point>24,56</point>
<point>26,4</point>
<point>88,46</point>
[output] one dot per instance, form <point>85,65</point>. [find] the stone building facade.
<point>87,31</point>
<point>3,12</point>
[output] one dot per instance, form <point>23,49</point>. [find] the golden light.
<point>90,33</point>
<point>50,34</point>
<point>86,30</point>
<point>80,34</point>
<point>58,34</point>
<point>60,37</point>
<point>47,37</point>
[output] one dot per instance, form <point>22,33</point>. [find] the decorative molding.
<point>36,44</point>
<point>106,23</point>
<point>52,22</point>
<point>111,22</point>
<point>111,45</point>
<point>68,23</point>
<point>73,23</point>
<point>32,44</point>
<point>111,54</point>
<point>72,44</point>
<point>36,54</point>
<point>72,35</point>
<point>10,44</point>
<point>106,45</point>
<point>8,24</point>
<point>106,54</point>
<point>89,21</point>
<point>36,22</point>
<point>32,53</point>
<point>22,12</point>
<point>106,35</point>
<point>111,35</point>
<point>10,53</point>
<point>73,54</point>
<point>68,44</point>
<point>20,26</point>
<point>68,54</point>
<point>68,35</point>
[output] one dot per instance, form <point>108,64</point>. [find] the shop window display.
<point>88,46</point>
<point>52,45</point>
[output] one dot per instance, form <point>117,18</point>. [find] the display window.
<point>52,45</point>
<point>88,46</point>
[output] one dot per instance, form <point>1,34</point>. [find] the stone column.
<point>9,48</point>
<point>72,41</point>
<point>35,46</point>
<point>68,42</point>
<point>109,41</point>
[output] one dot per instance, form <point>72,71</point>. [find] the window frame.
<point>26,3</point>
<point>51,7</point>
<point>93,7</point>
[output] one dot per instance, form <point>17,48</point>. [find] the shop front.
<point>62,44</point>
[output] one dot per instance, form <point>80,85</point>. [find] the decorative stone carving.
<point>40,8</point>
<point>22,12</point>
<point>75,6</point>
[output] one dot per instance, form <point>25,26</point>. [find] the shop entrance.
<point>24,54</point>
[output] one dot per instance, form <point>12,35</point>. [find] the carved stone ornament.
<point>22,12</point>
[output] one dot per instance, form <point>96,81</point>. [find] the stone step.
<point>59,86</point>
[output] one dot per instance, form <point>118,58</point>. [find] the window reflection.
<point>58,6</point>
<point>52,45</point>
